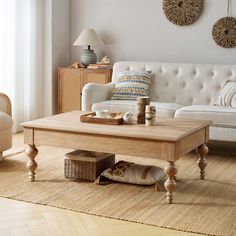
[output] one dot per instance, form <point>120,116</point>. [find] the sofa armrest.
<point>5,104</point>
<point>93,93</point>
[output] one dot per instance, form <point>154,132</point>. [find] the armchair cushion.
<point>5,139</point>
<point>5,121</point>
<point>6,124</point>
<point>5,132</point>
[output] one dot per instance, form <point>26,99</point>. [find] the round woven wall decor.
<point>224,32</point>
<point>182,12</point>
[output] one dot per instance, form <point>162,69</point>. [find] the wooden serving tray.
<point>117,118</point>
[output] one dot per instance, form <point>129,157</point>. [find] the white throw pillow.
<point>227,95</point>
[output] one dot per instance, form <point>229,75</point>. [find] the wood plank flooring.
<point>25,219</point>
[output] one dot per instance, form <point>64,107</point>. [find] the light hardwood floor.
<point>23,219</point>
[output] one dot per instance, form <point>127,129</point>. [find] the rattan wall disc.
<point>182,12</point>
<point>224,32</point>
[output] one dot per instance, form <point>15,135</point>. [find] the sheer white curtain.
<point>22,56</point>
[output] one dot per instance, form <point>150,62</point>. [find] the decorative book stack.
<point>100,66</point>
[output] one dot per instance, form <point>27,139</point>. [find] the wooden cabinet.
<point>71,82</point>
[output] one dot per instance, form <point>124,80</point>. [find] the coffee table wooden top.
<point>167,129</point>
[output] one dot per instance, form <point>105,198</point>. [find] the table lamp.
<point>88,37</point>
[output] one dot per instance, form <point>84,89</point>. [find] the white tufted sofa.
<point>5,124</point>
<point>177,90</point>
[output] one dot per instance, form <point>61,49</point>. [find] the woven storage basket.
<point>87,165</point>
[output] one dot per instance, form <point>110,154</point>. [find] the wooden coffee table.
<point>169,140</point>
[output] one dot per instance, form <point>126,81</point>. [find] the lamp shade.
<point>88,37</point>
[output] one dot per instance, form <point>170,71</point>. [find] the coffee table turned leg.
<point>170,183</point>
<point>202,162</point>
<point>31,151</point>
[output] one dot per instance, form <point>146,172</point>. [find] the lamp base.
<point>88,57</point>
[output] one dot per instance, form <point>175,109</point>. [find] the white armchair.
<point>6,123</point>
<point>93,93</point>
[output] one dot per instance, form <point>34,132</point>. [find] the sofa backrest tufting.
<point>185,84</point>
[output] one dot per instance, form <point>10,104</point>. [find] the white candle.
<point>150,113</point>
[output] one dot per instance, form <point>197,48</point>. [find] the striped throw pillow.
<point>132,84</point>
<point>227,96</point>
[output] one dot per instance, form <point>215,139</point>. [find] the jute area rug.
<point>207,207</point>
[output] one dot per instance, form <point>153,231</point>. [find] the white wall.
<point>47,102</point>
<point>60,42</point>
<point>138,30</point>
<point>57,49</point>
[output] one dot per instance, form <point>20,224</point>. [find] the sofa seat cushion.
<point>5,121</point>
<point>163,109</point>
<point>219,115</point>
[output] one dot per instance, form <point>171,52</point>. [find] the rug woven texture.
<point>207,207</point>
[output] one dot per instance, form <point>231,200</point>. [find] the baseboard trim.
<point>222,146</point>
